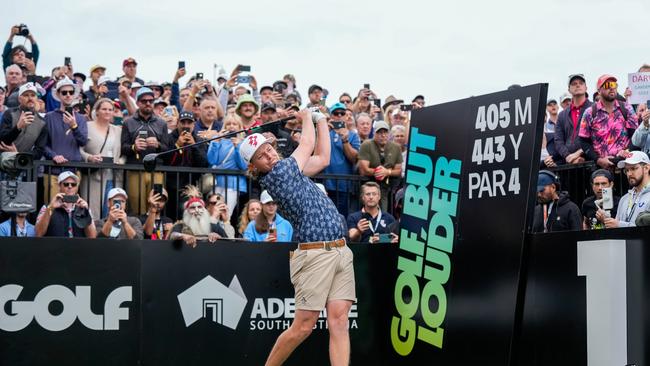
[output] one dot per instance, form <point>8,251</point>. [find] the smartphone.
<point>648,104</point>
<point>366,86</point>
<point>246,68</point>
<point>272,230</point>
<point>169,110</point>
<point>377,102</point>
<point>278,88</point>
<point>199,76</point>
<point>384,238</point>
<point>243,79</point>
<point>406,107</point>
<point>143,134</point>
<point>67,61</point>
<point>608,199</point>
<point>338,124</point>
<point>186,129</point>
<point>181,64</point>
<point>158,189</point>
<point>70,110</point>
<point>70,198</point>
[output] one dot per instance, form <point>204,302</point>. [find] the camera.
<point>406,107</point>
<point>243,79</point>
<point>186,129</point>
<point>338,124</point>
<point>70,198</point>
<point>199,76</point>
<point>246,68</point>
<point>23,30</point>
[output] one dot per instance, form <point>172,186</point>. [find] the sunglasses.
<point>146,101</point>
<point>338,114</point>
<point>346,101</point>
<point>66,92</point>
<point>69,184</point>
<point>610,85</point>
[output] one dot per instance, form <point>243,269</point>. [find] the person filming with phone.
<point>67,215</point>
<point>269,225</point>
<point>21,128</point>
<point>371,224</point>
<point>117,224</point>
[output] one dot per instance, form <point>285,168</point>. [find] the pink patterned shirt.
<point>608,131</point>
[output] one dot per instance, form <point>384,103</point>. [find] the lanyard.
<point>631,204</point>
<point>547,213</point>
<point>374,229</point>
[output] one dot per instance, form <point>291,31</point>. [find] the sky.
<point>443,50</point>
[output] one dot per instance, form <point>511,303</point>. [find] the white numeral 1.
<point>603,263</point>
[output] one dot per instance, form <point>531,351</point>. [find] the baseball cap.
<point>565,96</point>
<point>116,192</point>
<point>635,157</point>
<point>545,178</point>
<point>314,87</point>
<point>103,80</point>
<point>65,82</point>
<point>266,87</point>
<point>336,106</point>
<point>160,101</point>
<point>417,97</point>
<point>67,174</point>
<point>250,145</point>
<point>602,173</point>
<point>186,116</point>
<point>27,87</point>
<point>129,61</point>
<point>268,105</point>
<point>550,101</point>
<point>265,197</point>
<point>135,85</point>
<point>95,67</point>
<point>603,78</point>
<point>80,75</point>
<point>576,76</point>
<point>143,91</point>
<point>381,125</point>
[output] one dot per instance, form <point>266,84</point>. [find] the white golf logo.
<point>76,305</point>
<point>210,299</point>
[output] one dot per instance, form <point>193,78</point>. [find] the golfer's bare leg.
<point>300,329</point>
<point>337,324</point>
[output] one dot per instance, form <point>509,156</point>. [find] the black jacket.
<point>196,156</point>
<point>566,139</point>
<point>154,126</point>
<point>564,215</point>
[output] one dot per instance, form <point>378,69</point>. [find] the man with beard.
<point>565,138</point>
<point>321,268</point>
<point>600,179</point>
<point>22,129</point>
<point>197,223</point>
<point>607,126</point>
<point>637,199</point>
<point>246,109</point>
<point>555,212</point>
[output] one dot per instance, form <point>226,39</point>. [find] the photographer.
<point>18,55</point>
<point>601,178</point>
<point>219,213</point>
<point>155,225</point>
<point>117,224</point>
<point>21,128</point>
<point>67,215</point>
<point>343,157</point>
<point>371,224</point>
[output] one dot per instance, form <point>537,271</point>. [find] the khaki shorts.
<point>319,275</point>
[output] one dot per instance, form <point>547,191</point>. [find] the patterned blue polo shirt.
<point>312,214</point>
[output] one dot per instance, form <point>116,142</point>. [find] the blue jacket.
<point>283,227</point>
<point>217,152</point>
<point>339,163</point>
<point>62,142</point>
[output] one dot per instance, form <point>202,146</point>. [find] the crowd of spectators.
<point>120,120</point>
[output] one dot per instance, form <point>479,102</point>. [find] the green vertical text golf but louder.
<point>431,195</point>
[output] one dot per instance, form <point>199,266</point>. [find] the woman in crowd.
<point>269,225</point>
<point>103,147</point>
<point>224,154</point>
<point>252,208</point>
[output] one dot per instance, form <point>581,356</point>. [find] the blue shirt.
<point>312,214</point>
<point>381,227</point>
<point>199,127</point>
<point>339,164</point>
<point>61,139</point>
<point>217,152</point>
<point>5,229</point>
<point>283,227</point>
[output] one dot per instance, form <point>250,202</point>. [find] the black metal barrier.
<point>95,178</point>
<point>576,180</point>
<point>587,299</point>
<point>107,302</point>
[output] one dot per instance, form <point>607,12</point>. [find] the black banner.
<point>470,173</point>
<point>587,297</point>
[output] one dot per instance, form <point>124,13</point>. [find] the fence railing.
<point>576,180</point>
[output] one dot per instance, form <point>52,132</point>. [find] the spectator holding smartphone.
<point>67,215</point>
<point>104,146</point>
<point>641,138</point>
<point>156,226</point>
<point>269,225</point>
<point>219,213</point>
<point>117,224</point>
<point>21,128</point>
<point>367,225</point>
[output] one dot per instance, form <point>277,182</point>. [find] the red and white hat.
<point>250,145</point>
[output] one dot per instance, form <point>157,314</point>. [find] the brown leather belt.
<point>327,245</point>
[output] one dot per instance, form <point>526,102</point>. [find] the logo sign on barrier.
<point>209,298</point>
<point>469,175</point>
